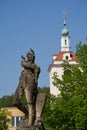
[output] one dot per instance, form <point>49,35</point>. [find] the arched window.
<point>65,41</point>
<point>67,57</point>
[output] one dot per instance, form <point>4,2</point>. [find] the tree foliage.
<point>4,119</point>
<point>81,52</point>
<point>6,101</point>
<point>68,111</point>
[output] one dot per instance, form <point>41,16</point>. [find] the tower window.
<point>67,57</point>
<point>65,42</point>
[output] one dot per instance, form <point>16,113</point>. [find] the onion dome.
<point>65,31</point>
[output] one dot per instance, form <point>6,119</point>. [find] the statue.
<point>28,82</point>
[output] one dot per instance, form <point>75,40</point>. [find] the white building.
<point>57,59</point>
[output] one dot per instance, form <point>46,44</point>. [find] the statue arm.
<point>28,65</point>
<point>36,73</point>
<point>33,66</point>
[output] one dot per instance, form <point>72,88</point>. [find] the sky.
<point>36,24</point>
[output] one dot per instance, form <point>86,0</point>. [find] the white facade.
<point>53,89</point>
<point>65,43</point>
<point>57,60</point>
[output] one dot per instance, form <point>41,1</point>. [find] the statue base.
<point>26,128</point>
<point>23,126</point>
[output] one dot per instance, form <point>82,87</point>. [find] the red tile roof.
<point>73,56</point>
<point>59,56</point>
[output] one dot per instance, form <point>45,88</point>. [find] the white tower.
<point>65,38</point>
<point>57,60</point>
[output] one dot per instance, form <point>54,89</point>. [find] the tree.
<point>73,99</point>
<point>47,114</point>
<point>6,101</point>
<point>81,52</point>
<point>4,119</point>
<point>68,111</point>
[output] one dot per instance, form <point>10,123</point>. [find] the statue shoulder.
<point>37,69</point>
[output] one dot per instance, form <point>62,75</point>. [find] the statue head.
<point>31,55</point>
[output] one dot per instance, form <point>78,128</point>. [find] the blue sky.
<point>36,24</point>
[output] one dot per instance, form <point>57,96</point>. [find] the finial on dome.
<point>64,20</point>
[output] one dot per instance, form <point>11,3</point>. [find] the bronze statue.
<point>28,84</point>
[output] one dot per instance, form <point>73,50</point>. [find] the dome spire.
<point>64,20</point>
<point>64,30</point>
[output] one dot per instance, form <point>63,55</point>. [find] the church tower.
<point>57,59</point>
<point>65,38</point>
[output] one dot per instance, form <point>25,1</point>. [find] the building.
<point>57,59</point>
<point>16,116</point>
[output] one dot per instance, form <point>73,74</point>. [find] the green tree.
<point>6,101</point>
<point>47,114</point>
<point>68,111</point>
<point>81,52</point>
<point>4,120</point>
<point>73,99</point>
